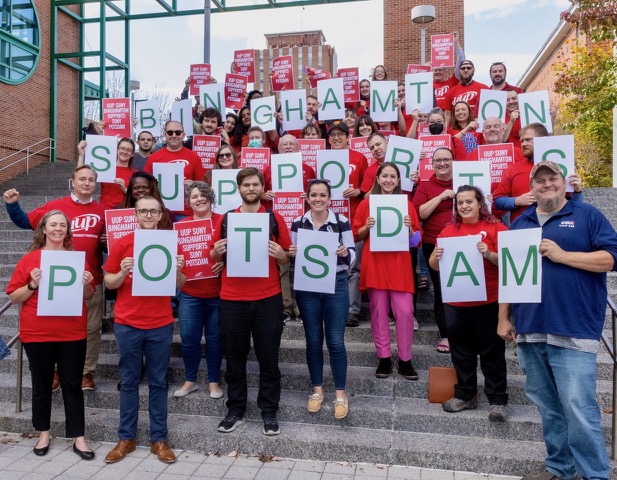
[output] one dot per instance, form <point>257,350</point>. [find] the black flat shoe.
<point>41,452</point>
<point>84,454</point>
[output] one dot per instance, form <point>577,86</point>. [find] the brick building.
<point>26,104</point>
<point>402,38</point>
<point>306,48</point>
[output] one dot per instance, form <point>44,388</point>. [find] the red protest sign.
<point>316,74</point>
<point>282,73</point>
<point>442,50</point>
<point>422,129</point>
<point>119,223</point>
<point>244,61</point>
<point>235,88</point>
<point>195,243</point>
<point>200,75</point>
<point>414,68</point>
<point>351,80</point>
<point>289,205</point>
<point>255,157</point>
<point>341,207</point>
<point>206,147</point>
<point>117,117</point>
<point>430,143</point>
<point>425,169</point>
<point>501,156</point>
<point>359,145</point>
<point>309,148</point>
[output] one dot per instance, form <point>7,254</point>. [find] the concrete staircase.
<point>390,420</point>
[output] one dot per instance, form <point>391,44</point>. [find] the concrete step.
<point>324,442</point>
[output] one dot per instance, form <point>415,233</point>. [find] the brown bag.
<point>441,381</point>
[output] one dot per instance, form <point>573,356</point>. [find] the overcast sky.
<point>511,31</point>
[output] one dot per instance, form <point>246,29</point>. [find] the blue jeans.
<point>133,344</point>
<point>200,316</point>
<point>326,312</point>
<point>562,383</point>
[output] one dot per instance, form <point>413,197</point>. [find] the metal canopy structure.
<point>100,12</point>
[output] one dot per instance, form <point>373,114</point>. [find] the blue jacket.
<point>573,300</point>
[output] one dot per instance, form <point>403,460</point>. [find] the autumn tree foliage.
<point>588,82</point>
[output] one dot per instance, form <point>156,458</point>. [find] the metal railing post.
<point>20,374</point>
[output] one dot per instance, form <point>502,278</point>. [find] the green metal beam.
<point>71,14</point>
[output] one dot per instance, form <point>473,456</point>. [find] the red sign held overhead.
<point>316,74</point>
<point>351,80</point>
<point>117,117</point>
<point>282,73</point>
<point>200,75</point>
<point>235,88</point>
<point>244,63</point>
<point>442,50</point>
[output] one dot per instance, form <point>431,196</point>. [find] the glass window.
<point>19,40</point>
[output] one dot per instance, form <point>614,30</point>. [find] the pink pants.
<point>401,303</point>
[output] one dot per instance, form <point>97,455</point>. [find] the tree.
<point>588,82</point>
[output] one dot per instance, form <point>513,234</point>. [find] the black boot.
<point>384,369</point>
<point>406,370</point>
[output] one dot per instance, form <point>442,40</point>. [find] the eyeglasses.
<point>177,133</point>
<point>225,155</point>
<point>337,134</point>
<point>125,149</point>
<point>465,68</point>
<point>144,212</point>
<point>441,160</point>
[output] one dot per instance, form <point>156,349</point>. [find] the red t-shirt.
<point>33,328</point>
<point>507,87</point>
<point>87,225</point>
<point>193,170</point>
<point>466,93</point>
<point>369,177</point>
<point>251,288</point>
<point>111,193</point>
<point>145,313</point>
<point>514,183</point>
<point>490,270</point>
<point>207,287</point>
<point>515,133</point>
<point>384,270</point>
<point>441,89</point>
<point>442,215</point>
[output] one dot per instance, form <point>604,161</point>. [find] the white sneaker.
<point>416,325</point>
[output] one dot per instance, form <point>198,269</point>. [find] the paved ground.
<point>18,461</point>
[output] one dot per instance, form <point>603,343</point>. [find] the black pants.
<point>263,321</point>
<point>440,318</point>
<point>472,331</point>
<point>70,358</point>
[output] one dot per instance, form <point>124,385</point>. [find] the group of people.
<point>558,338</point>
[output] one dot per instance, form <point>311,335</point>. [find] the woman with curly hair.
<point>472,326</point>
<point>141,185</point>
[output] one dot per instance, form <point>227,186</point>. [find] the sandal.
<point>423,283</point>
<point>443,346</point>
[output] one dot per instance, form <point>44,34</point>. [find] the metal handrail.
<point>20,361</point>
<point>611,346</point>
<point>51,145</point>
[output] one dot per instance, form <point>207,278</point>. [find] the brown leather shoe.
<point>120,450</point>
<point>55,384</point>
<point>163,452</point>
<point>87,382</point>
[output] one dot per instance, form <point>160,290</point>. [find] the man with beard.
<point>467,90</point>
<point>252,308</point>
<point>513,192</point>
<point>145,142</point>
<point>558,338</point>
<point>497,72</point>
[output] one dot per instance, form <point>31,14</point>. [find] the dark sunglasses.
<point>177,133</point>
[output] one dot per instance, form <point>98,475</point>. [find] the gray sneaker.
<point>457,405</point>
<point>498,413</point>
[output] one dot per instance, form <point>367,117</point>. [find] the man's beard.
<point>550,206</point>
